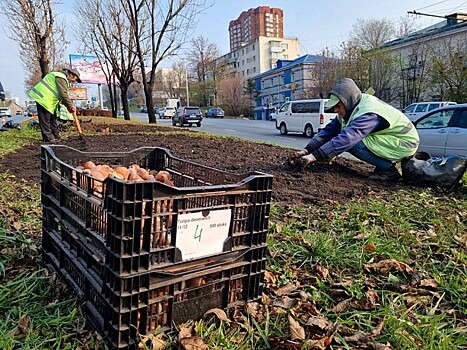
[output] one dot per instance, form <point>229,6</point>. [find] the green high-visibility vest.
<point>46,93</point>
<point>394,143</point>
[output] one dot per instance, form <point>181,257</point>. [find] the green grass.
<point>323,254</point>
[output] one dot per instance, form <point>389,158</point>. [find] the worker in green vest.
<point>367,128</point>
<point>49,93</point>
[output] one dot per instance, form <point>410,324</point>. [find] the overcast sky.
<point>317,24</point>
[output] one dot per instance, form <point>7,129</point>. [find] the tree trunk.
<point>124,97</point>
<point>150,103</point>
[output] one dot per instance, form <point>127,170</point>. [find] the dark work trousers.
<point>48,123</point>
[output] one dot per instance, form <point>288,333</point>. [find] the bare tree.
<point>106,32</point>
<point>201,57</point>
<point>232,93</point>
<point>173,83</point>
<point>406,26</point>
<point>160,28</point>
<point>41,38</point>
<point>448,70</point>
<point>371,33</point>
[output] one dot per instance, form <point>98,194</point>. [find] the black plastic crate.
<point>159,299</point>
<point>135,225</point>
<point>131,250</point>
<point>172,299</point>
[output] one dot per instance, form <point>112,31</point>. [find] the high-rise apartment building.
<point>251,24</point>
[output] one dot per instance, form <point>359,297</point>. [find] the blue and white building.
<point>287,81</point>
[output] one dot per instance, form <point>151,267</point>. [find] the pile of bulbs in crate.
<point>161,235</point>
<point>133,173</point>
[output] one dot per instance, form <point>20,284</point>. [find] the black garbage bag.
<point>33,124</point>
<point>12,125</point>
<point>423,170</point>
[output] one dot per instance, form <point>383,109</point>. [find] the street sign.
<point>93,98</point>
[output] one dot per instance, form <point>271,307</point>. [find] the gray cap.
<point>74,72</point>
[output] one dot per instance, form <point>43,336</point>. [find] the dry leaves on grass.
<point>386,265</point>
<point>296,331</point>
<point>369,303</point>
<point>152,342</point>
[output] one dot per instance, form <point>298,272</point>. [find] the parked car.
<point>5,112</point>
<point>303,116</point>
<point>143,109</point>
<point>159,111</point>
<point>32,111</point>
<point>188,115</point>
<point>167,112</point>
<point>443,132</point>
<point>215,113</point>
<point>416,110</point>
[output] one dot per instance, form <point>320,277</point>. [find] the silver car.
<point>443,131</point>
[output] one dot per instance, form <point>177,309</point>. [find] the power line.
<point>421,8</point>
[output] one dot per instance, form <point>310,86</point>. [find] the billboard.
<point>89,68</point>
<point>78,93</point>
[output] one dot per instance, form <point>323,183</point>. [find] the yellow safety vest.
<point>394,143</point>
<point>46,93</point>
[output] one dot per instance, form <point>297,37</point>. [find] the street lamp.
<point>186,85</point>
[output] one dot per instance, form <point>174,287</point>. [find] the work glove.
<point>301,162</point>
<point>293,158</point>
<point>307,160</point>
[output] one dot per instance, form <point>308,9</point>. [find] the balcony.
<point>275,49</point>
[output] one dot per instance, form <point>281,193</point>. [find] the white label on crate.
<point>202,233</point>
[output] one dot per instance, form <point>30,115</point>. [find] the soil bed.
<point>336,182</point>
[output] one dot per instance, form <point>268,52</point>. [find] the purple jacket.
<point>333,140</point>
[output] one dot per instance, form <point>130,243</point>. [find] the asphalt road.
<point>258,130</point>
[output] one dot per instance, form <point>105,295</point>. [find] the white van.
<point>416,110</point>
<point>303,116</point>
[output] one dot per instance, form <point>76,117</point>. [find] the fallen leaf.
<point>319,344</point>
<point>193,343</point>
<point>355,304</point>
<point>278,228</point>
<point>270,277</point>
<point>156,342</point>
<point>319,322</point>
<point>380,346</point>
<point>185,332</point>
<point>369,247</point>
<point>286,289</point>
<point>362,236</point>
<point>221,315</point>
<point>386,265</point>
<point>296,331</point>
<point>322,271</point>
<point>359,337</point>
<point>285,302</point>
<point>431,282</point>
<point>462,240</point>
<point>23,323</point>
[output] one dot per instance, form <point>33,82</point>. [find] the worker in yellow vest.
<point>367,128</point>
<point>49,93</point>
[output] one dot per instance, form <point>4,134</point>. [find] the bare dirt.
<point>336,182</point>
